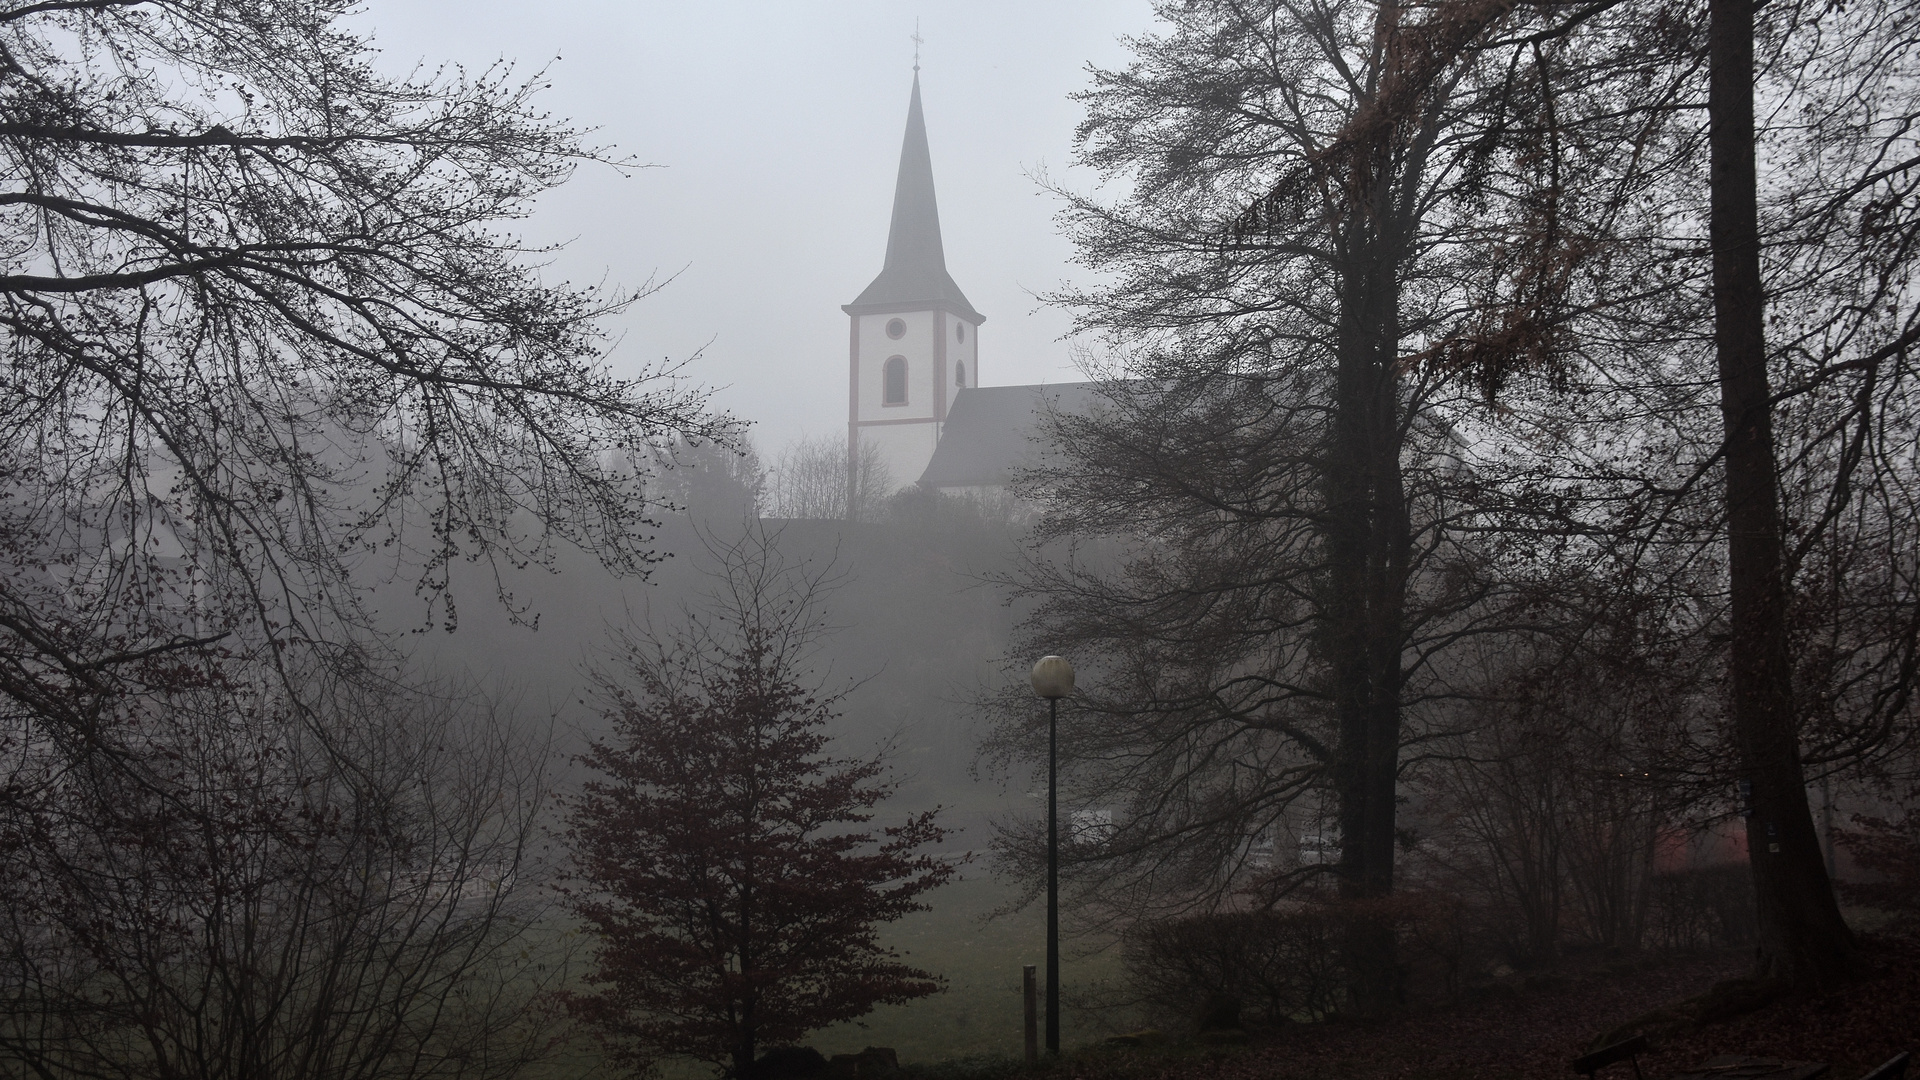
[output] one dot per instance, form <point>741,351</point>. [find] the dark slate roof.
<point>989,431</point>
<point>915,273</point>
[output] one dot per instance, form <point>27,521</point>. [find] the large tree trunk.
<point>1367,540</point>
<point>1802,936</point>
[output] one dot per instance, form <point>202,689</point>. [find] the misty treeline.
<point>1455,580</point>
<point>266,344</point>
<point>811,478</point>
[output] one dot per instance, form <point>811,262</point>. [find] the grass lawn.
<point>980,1012</point>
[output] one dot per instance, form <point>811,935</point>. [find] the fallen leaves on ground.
<point>1532,1030</point>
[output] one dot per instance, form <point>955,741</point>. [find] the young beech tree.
<point>725,858</point>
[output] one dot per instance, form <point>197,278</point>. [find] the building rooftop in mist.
<point>989,432</point>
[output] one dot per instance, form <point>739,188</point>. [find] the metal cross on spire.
<point>917,42</point>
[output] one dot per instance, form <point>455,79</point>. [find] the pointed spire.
<point>915,236</point>
<point>916,268</point>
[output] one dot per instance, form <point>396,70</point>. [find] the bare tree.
<point>1805,208</point>
<point>262,334</point>
<point>259,900</point>
<point>1802,935</point>
<point>1572,766</point>
<point>812,478</point>
<point>1323,205</point>
<point>710,481</point>
<point>1803,114</point>
<point>1511,197</point>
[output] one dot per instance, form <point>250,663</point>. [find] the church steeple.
<point>915,273</point>
<point>914,340</point>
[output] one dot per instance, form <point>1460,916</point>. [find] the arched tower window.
<point>960,374</point>
<point>893,381</point>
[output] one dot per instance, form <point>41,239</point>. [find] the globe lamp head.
<point>1052,677</point>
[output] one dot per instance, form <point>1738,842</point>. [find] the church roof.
<point>989,431</point>
<point>915,273</point>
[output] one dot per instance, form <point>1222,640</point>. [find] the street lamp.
<point>1052,679</point>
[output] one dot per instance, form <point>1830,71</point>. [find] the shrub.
<point>1703,908</point>
<point>1279,965</point>
<point>1890,851</point>
<point>1284,964</point>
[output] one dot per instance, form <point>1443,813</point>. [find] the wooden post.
<point>1030,987</point>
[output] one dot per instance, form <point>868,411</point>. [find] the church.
<point>914,390</point>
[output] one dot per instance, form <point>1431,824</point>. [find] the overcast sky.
<point>777,130</point>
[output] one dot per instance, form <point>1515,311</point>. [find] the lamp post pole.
<point>1053,679</point>
<point>1053,879</point>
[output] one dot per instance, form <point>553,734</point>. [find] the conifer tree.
<point>725,857</point>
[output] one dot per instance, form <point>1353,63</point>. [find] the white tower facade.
<point>913,339</point>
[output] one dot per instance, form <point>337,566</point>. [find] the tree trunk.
<point>1367,540</point>
<point>1803,939</point>
<point>744,1049</point>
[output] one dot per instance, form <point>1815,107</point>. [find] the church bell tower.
<point>913,339</point>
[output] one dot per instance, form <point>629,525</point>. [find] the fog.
<point>1490,578</point>
<point>771,138</point>
<point>775,131</point>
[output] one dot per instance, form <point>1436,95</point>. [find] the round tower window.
<point>959,331</point>
<point>896,329</point>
